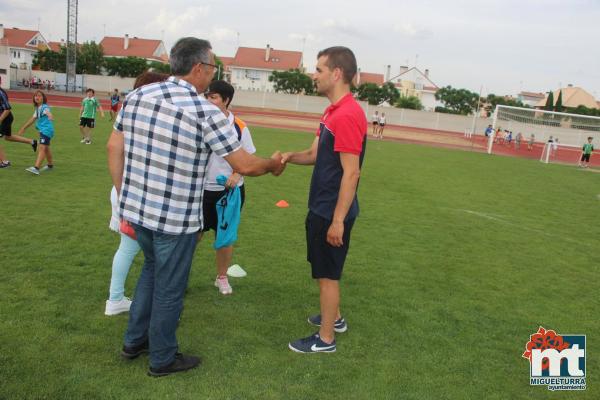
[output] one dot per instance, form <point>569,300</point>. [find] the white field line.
<point>500,219</point>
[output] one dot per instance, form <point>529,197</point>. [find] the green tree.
<point>90,59</point>
<point>492,101</point>
<point>410,102</point>
<point>583,110</point>
<point>549,102</point>
<point>292,81</point>
<point>559,107</point>
<point>48,60</point>
<point>456,101</point>
<point>371,93</point>
<point>126,66</point>
<point>389,93</point>
<point>160,67</point>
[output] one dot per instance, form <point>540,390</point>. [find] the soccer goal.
<point>561,134</point>
<point>560,152</point>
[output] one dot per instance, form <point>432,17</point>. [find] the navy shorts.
<point>209,207</point>
<point>6,126</point>
<point>326,261</point>
<point>45,140</point>
<point>89,122</point>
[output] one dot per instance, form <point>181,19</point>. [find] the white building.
<point>413,82</point>
<point>22,45</point>
<point>531,99</point>
<point>251,67</point>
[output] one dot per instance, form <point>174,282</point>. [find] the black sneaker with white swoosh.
<point>312,344</point>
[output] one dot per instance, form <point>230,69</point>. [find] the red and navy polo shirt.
<point>343,129</point>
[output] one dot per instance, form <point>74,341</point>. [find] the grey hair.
<point>186,53</point>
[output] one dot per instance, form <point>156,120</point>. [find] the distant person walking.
<point>586,153</point>
<point>381,125</point>
<point>375,123</point>
<point>518,140</point>
<point>115,99</point>
<point>530,142</point>
<point>87,114</point>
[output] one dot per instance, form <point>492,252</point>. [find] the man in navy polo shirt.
<point>337,154</point>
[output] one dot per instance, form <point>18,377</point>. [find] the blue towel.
<point>228,214</point>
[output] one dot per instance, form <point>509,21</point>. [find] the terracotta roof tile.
<point>55,46</point>
<point>281,60</point>
<point>19,37</point>
<point>367,77</point>
<point>144,48</point>
<point>226,61</point>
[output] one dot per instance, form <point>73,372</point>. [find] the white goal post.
<point>571,129</point>
<point>566,153</point>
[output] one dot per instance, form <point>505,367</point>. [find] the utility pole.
<point>71,85</point>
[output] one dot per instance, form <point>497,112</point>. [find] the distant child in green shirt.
<point>87,115</point>
<point>586,152</point>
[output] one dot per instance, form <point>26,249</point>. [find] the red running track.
<point>476,143</point>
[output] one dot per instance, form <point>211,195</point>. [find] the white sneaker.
<point>82,140</point>
<point>46,168</point>
<point>114,307</point>
<point>88,142</point>
<point>223,285</point>
<point>33,170</point>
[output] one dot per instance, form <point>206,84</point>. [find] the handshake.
<point>280,162</point>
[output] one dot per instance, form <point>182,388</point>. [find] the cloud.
<point>222,34</point>
<point>407,29</point>
<point>309,37</point>
<point>342,26</point>
<point>177,22</point>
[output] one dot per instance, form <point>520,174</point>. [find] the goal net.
<point>559,152</point>
<point>555,136</point>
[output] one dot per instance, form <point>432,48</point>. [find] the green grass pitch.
<point>455,260</point>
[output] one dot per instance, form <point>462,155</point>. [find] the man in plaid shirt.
<point>157,155</point>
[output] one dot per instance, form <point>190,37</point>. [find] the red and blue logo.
<point>556,361</point>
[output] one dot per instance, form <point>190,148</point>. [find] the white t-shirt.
<point>382,120</point>
<point>115,221</point>
<point>218,166</point>
<point>375,118</point>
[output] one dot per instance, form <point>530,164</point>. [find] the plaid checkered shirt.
<point>169,133</point>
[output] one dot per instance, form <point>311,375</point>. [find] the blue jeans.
<point>128,249</point>
<point>158,298</point>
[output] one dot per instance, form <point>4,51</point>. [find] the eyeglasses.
<point>209,64</point>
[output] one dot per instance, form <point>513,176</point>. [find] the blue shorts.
<point>45,140</point>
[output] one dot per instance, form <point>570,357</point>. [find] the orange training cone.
<point>282,204</point>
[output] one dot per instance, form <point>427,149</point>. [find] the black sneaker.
<point>34,145</point>
<point>131,352</point>
<point>339,325</point>
<point>312,344</point>
<point>180,364</point>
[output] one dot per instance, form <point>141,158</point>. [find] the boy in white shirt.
<point>220,93</point>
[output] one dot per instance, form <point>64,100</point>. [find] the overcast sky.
<point>503,45</point>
